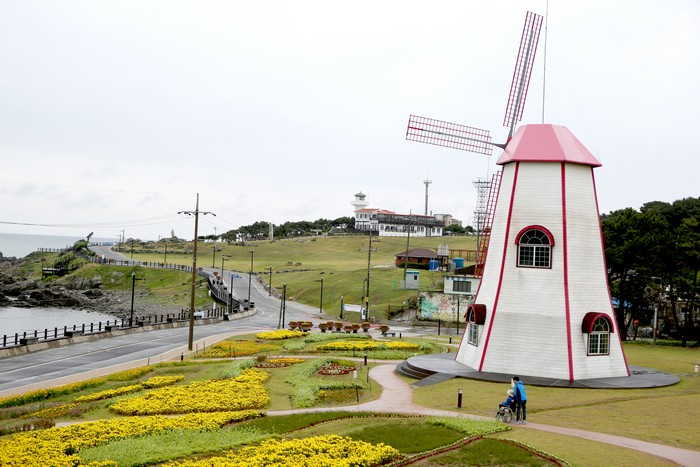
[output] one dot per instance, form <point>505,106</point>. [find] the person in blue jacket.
<point>520,401</point>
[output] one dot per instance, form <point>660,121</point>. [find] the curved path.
<point>397,397</point>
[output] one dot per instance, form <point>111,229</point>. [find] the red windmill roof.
<point>546,143</point>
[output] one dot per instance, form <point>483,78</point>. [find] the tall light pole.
<point>250,274</point>
<point>133,289</point>
<point>213,255</point>
<point>223,257</point>
<point>269,291</point>
<point>369,262</point>
<point>195,213</point>
<point>320,303</point>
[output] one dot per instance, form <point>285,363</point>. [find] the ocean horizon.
<point>20,245</point>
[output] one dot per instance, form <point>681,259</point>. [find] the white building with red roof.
<point>543,305</point>
<point>390,224</point>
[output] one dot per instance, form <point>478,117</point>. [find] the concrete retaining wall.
<point>62,342</point>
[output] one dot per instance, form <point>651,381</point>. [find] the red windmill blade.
<point>447,134</point>
<point>523,69</point>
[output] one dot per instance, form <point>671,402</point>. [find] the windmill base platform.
<point>440,367</point>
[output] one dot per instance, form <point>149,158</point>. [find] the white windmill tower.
<point>543,305</point>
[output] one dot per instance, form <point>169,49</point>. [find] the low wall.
<point>62,342</point>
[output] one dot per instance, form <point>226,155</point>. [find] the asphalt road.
<point>49,364</point>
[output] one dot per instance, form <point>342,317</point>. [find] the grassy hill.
<point>340,261</point>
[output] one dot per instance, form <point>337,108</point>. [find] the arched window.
<point>476,315</point>
<point>534,247</point>
<point>599,337</point>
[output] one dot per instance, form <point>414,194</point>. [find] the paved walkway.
<point>397,397</point>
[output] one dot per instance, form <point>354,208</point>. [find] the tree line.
<point>260,229</point>
<point>653,256</point>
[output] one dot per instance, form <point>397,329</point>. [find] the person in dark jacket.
<point>520,401</point>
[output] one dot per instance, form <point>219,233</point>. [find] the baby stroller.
<point>506,408</point>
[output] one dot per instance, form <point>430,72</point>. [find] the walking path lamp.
<point>133,288</point>
<point>196,214</point>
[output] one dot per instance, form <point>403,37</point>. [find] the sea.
<point>13,319</point>
<point>20,245</point>
<point>18,320</point>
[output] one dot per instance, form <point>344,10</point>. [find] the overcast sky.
<point>117,111</point>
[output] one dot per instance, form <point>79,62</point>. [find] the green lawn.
<point>340,261</point>
<point>582,452</point>
<point>166,287</point>
<point>487,452</point>
<point>662,415</point>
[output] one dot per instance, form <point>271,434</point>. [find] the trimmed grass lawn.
<point>487,452</point>
<point>341,261</point>
<point>663,415</point>
<point>165,287</point>
<point>169,445</point>
<point>582,452</point>
<point>409,438</point>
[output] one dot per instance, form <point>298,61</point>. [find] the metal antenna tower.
<point>427,182</point>
<point>483,187</point>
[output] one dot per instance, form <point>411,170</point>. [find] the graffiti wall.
<point>445,307</point>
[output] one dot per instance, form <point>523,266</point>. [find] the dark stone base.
<point>422,366</point>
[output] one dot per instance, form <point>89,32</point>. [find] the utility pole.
<point>213,255</point>
<point>132,249</point>
<point>269,291</point>
<point>195,213</point>
<point>230,295</point>
<point>250,274</point>
<point>223,257</point>
<point>369,262</point>
<point>427,182</point>
<point>165,253</point>
<point>408,244</point>
<point>284,304</point>
<point>133,288</point>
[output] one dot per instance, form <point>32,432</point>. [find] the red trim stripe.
<point>566,271</point>
<point>503,263</point>
<point>605,272</point>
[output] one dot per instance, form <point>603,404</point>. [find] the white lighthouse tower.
<point>360,201</point>
<point>543,306</point>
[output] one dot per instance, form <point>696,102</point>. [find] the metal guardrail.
<point>100,327</point>
<point>218,290</point>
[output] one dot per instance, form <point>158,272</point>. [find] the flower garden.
<point>213,412</point>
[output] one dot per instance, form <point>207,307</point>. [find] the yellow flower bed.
<point>107,393</point>
<point>56,446</point>
<point>240,348</point>
<point>279,334</point>
<point>243,392</point>
<point>158,381</point>
<point>368,345</point>
<point>317,451</point>
<point>53,412</point>
<point>401,345</point>
<point>42,394</point>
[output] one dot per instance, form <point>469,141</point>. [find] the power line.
<point>131,223</point>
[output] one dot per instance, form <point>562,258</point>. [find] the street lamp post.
<point>133,289</point>
<point>213,255</point>
<point>165,252</point>
<point>250,274</point>
<point>320,303</point>
<point>269,290</point>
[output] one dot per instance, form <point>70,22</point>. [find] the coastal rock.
<point>93,293</point>
<point>19,286</point>
<point>81,283</point>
